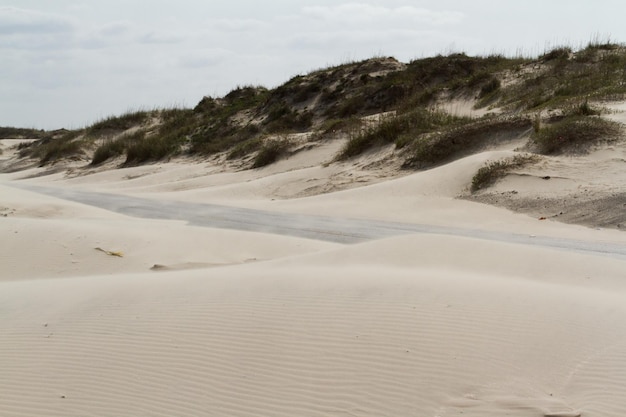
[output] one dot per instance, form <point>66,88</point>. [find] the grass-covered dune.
<point>517,93</point>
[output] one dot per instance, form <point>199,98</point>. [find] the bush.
<point>115,124</point>
<point>282,119</point>
<point>153,148</point>
<point>575,134</point>
<point>20,133</point>
<point>495,170</point>
<point>53,149</point>
<point>584,109</point>
<point>462,140</point>
<point>245,148</point>
<point>333,126</point>
<point>60,149</point>
<point>400,130</point>
<point>386,131</point>
<point>557,53</point>
<point>492,85</point>
<point>113,148</point>
<point>108,150</point>
<point>270,152</point>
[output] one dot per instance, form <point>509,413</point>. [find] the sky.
<point>69,63</point>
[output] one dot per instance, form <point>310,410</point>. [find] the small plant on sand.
<point>575,134</point>
<point>490,87</point>
<point>174,131</point>
<point>153,148</point>
<point>585,109</point>
<point>110,149</point>
<point>561,52</point>
<point>401,130</point>
<point>21,133</point>
<point>271,151</point>
<point>115,124</point>
<point>67,145</point>
<point>114,148</point>
<point>537,122</point>
<point>245,148</point>
<point>495,170</point>
<point>387,131</point>
<point>463,139</point>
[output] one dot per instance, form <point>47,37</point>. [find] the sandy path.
<point>332,229</point>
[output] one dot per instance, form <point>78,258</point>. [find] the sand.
<point>247,324</point>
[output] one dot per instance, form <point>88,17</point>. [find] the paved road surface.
<point>333,229</point>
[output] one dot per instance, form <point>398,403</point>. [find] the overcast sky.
<point>67,63</point>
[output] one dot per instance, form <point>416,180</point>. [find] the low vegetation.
<point>495,170</point>
<point>64,145</point>
<point>574,134</point>
<point>458,141</point>
<point>113,148</point>
<point>20,133</point>
<point>400,130</point>
<point>334,102</point>
<point>271,151</point>
<point>117,124</point>
<point>246,148</point>
<point>595,72</point>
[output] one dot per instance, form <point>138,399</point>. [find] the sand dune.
<point>245,324</point>
<point>309,338</point>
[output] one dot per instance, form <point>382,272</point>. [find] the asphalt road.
<point>332,229</point>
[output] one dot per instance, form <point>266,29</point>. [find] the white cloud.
<point>363,13</point>
<point>20,21</point>
<point>204,58</point>
<point>26,29</point>
<point>160,37</point>
<point>238,25</point>
<point>115,29</point>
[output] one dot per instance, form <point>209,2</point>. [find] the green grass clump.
<point>51,149</point>
<point>245,148</point>
<point>462,140</point>
<point>340,125</point>
<point>584,109</point>
<point>214,128</point>
<point>495,170</point>
<point>575,134</point>
<point>114,148</point>
<point>491,86</point>
<point>64,147</point>
<point>400,130</point>
<point>424,79</point>
<point>116,124</point>
<point>385,132</point>
<point>20,133</point>
<point>281,118</point>
<point>175,129</point>
<point>561,52</point>
<point>108,150</point>
<point>331,127</point>
<point>153,148</point>
<point>271,151</point>
<point>596,72</point>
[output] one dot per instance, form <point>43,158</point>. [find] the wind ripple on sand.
<point>295,343</point>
